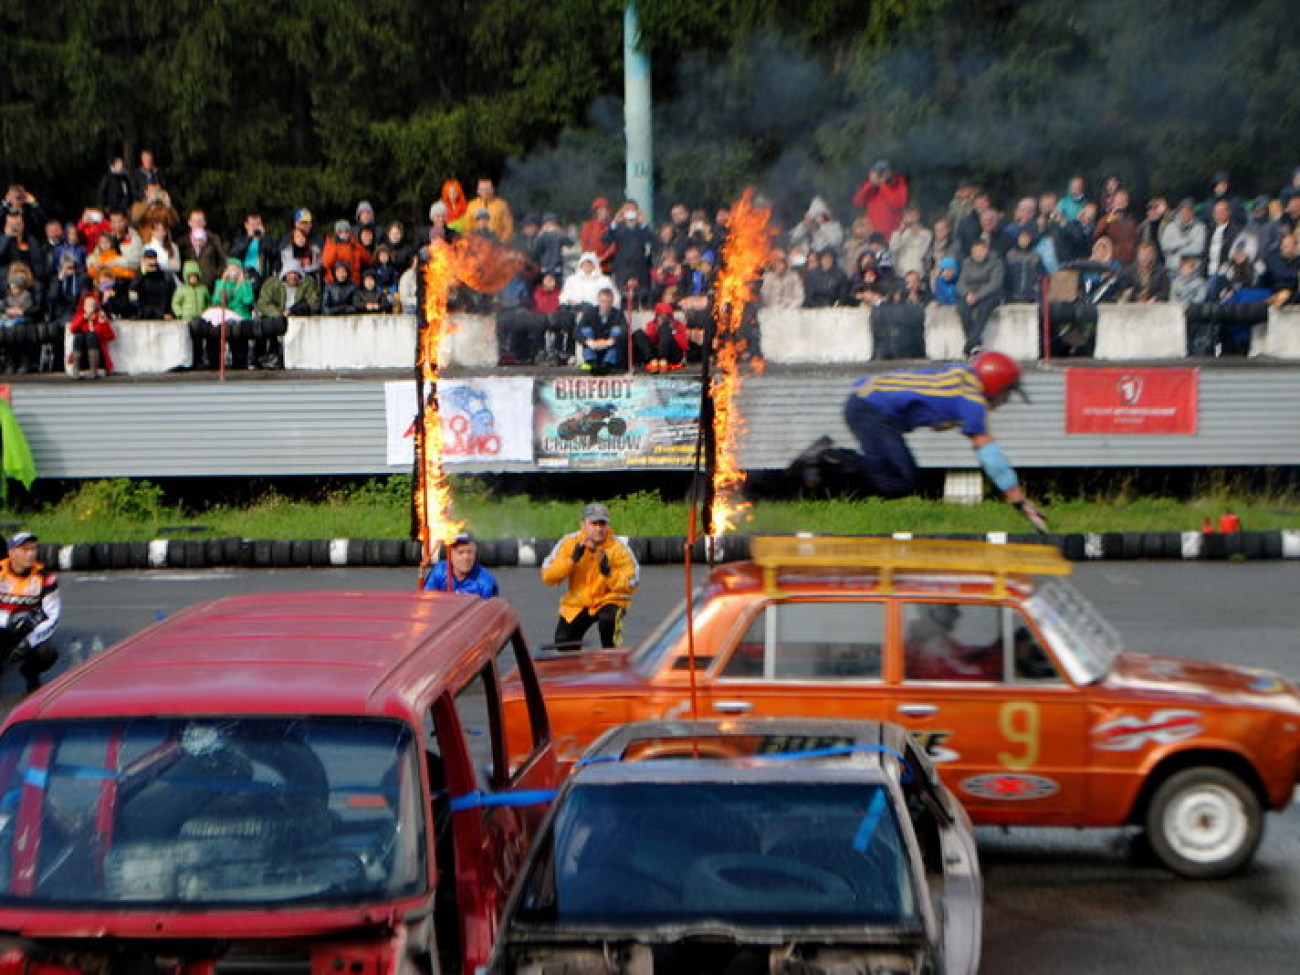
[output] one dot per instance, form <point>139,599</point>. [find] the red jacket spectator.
<point>546,301</point>
<point>342,246</point>
<point>593,233</point>
<point>91,318</point>
<point>884,195</point>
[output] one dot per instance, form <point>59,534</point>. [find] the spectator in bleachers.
<point>557,329</point>
<point>146,174</point>
<point>1281,269</point>
<point>1221,189</point>
<point>18,200</point>
<point>105,265</point>
<point>679,218</point>
<point>91,334</point>
<point>399,245</point>
<point>115,191</point>
<point>500,221</point>
<point>665,243</point>
<point>371,299</point>
<point>520,331</point>
<point>482,226</point>
<point>300,252</point>
<point>19,246</point>
<point>915,290</point>
<point>592,237</point>
<point>701,233</point>
<point>1118,225</point>
<point>1182,236</point>
<point>602,335</point>
<point>1077,234</point>
<point>1149,230</point>
<point>438,229</point>
<point>1221,236</point>
<point>386,272</point>
<point>586,282</point>
<point>911,243</point>
<point>363,217</point>
<point>1292,188</point>
<point>661,346</point>
<point>667,271</point>
<point>51,243</point>
<point>1110,186</point>
<point>856,242</point>
<point>818,229</point>
<point>825,285</point>
<point>342,246</point>
<point>192,297</point>
<point>1145,280</point>
<point>368,238</point>
<point>947,274</point>
<point>1262,230</point>
<point>548,247</point>
<point>1073,200</point>
<point>203,247</point>
<point>159,238</point>
<point>632,241</point>
<point>455,207</point>
<point>1025,217</point>
<point>884,196</point>
<point>942,245</point>
<point>780,287</point>
<point>979,292</point>
<point>154,288</point>
<point>73,245</point>
<point>962,202</point>
<point>693,293</point>
<point>233,298</point>
<point>1189,286</point>
<point>971,226</point>
<point>1024,269</point>
<point>872,283</point>
<point>1099,274</point>
<point>129,244</point>
<point>339,294</point>
<point>155,208</point>
<point>257,253</point>
<point>69,284</point>
<point>19,298</point>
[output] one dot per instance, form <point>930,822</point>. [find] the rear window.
<point>195,812</point>
<point>760,854</point>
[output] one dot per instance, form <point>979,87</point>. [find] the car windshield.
<point>1085,644</point>
<point>196,812</point>
<point>779,854</point>
<point>648,657</point>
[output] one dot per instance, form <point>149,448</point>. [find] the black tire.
<point>300,553</point>
<point>1252,545</point>
<point>320,552</point>
<point>1132,545</point>
<point>103,555</point>
<point>139,558</point>
<point>373,553</point>
<point>232,551</point>
<point>1072,547</point>
<point>617,427</point>
<point>507,552</point>
<point>413,551</point>
<point>392,551</point>
<point>262,554</point>
<point>356,553</point>
<point>1204,823</point>
<point>196,553</point>
<point>177,556</point>
<point>282,553</point>
<point>214,551</point>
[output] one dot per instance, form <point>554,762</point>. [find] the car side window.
<point>952,641</point>
<point>811,640</point>
<point>519,724</point>
<point>475,705</point>
<point>1029,661</point>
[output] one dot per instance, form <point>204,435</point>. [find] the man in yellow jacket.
<point>601,573</point>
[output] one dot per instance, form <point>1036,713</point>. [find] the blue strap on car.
<point>479,800</point>
<point>997,467</point>
<point>867,830</point>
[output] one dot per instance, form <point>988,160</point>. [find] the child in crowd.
<point>661,346</point>
<point>1189,285</point>
<point>371,299</point>
<point>91,333</point>
<point>945,282</point>
<point>339,297</point>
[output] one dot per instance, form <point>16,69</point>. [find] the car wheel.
<point>1204,823</point>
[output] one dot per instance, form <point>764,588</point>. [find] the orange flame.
<point>483,266</point>
<point>744,255</point>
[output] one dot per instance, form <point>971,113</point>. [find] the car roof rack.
<point>886,556</point>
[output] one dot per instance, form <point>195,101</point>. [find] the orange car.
<point>1026,701</point>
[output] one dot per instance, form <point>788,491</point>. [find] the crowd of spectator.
<point>131,255</point>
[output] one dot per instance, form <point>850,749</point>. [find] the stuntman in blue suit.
<point>884,407</point>
<point>467,575</point>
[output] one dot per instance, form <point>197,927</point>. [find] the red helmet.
<point>998,373</point>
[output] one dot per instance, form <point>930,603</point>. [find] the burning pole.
<point>432,499</point>
<point>744,255</point>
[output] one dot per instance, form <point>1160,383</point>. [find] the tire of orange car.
<point>1178,786</point>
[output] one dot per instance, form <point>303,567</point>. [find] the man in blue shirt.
<point>467,575</point>
<point>885,406</point>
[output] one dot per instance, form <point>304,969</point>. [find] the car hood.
<point>1203,681</point>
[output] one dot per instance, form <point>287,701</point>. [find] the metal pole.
<point>637,116</point>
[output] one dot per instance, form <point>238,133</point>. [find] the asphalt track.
<point>1058,901</point>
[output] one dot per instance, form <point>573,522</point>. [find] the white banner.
<point>483,420</point>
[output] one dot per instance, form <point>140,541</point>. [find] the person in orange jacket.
<point>601,573</point>
<point>342,245</point>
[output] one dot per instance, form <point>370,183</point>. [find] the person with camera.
<point>601,573</point>
<point>29,611</point>
<point>258,253</point>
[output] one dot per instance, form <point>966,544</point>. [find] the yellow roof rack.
<point>889,555</point>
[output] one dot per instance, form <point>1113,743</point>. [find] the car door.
<point>1003,725</point>
<point>803,658</point>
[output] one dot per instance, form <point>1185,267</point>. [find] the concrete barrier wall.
<point>823,336</point>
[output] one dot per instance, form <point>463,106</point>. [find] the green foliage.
<point>120,499</point>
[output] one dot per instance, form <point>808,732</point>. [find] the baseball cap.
<point>595,512</point>
<point>302,216</point>
<point>462,538</point>
<point>21,538</point>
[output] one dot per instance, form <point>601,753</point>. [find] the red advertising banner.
<point>1144,401</point>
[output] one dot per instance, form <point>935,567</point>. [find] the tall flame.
<point>484,266</point>
<point>744,255</point>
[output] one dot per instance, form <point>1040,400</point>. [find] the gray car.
<point>749,847</point>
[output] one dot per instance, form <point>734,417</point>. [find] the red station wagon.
<point>311,782</point>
